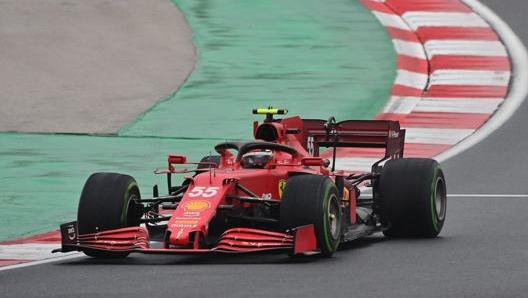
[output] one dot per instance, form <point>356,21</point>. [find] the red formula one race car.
<point>275,193</point>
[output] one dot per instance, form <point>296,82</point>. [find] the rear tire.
<point>313,199</point>
<point>108,201</point>
<point>412,197</point>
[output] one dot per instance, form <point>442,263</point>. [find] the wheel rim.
<point>440,199</point>
<point>333,217</point>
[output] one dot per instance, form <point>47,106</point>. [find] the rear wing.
<point>355,133</point>
<point>312,134</point>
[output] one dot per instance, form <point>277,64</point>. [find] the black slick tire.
<point>108,201</point>
<point>412,197</point>
<point>313,199</point>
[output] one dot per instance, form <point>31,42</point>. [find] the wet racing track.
<point>482,250</point>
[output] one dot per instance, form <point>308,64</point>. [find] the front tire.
<point>313,199</point>
<point>108,201</point>
<point>412,197</point>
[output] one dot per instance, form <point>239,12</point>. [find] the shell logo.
<point>196,205</point>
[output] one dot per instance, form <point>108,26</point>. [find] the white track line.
<point>27,251</point>
<point>486,196</point>
<point>59,257</point>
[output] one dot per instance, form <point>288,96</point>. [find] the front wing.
<point>300,240</point>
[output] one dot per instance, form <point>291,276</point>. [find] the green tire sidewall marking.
<point>124,209</point>
<point>326,202</point>
<point>434,212</point>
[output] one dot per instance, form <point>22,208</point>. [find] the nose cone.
<point>179,237</point>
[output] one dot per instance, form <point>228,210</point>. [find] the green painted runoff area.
<point>316,58</point>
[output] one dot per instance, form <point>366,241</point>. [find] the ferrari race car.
<point>274,193</point>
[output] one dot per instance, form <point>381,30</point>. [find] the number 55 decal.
<point>201,191</point>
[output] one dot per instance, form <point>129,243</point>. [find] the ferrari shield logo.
<point>282,184</point>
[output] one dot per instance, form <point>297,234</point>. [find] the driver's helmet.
<point>256,159</point>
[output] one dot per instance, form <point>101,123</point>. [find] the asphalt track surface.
<point>481,252</point>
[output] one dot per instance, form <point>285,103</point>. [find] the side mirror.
<point>177,159</point>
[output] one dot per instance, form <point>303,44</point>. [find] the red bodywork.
<point>215,189</point>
